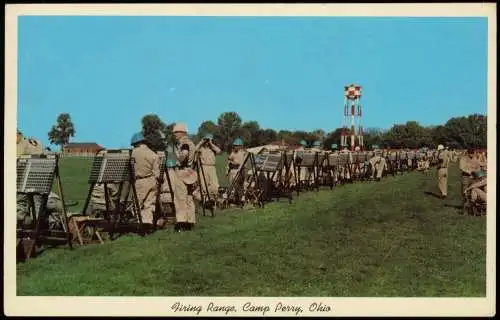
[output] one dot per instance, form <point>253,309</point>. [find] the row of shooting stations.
<point>263,177</point>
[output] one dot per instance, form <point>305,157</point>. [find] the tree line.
<point>458,133</point>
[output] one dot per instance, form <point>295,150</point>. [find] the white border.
<point>161,306</point>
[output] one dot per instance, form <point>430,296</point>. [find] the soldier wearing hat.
<point>334,171</point>
<point>186,217</point>
<point>28,146</point>
<point>207,150</point>
<point>442,170</point>
<point>235,160</point>
<point>378,163</point>
<point>147,172</point>
<point>303,145</point>
<point>317,144</point>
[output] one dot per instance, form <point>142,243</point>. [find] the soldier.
<point>185,152</point>
<point>442,170</point>
<point>147,172</point>
<point>235,160</point>
<point>378,163</point>
<point>303,145</point>
<point>177,196</point>
<point>207,150</point>
<point>424,162</point>
<point>317,144</point>
<point>469,165</point>
<point>28,146</point>
<point>334,171</point>
<point>478,188</point>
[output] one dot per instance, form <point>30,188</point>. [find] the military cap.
<point>238,142</point>
<point>136,138</point>
<point>303,143</point>
<point>334,146</point>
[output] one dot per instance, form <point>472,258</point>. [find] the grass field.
<point>376,239</point>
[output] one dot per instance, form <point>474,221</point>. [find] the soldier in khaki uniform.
<point>469,165</point>
<point>185,152</point>
<point>207,150</point>
<point>335,171</point>
<point>478,188</point>
<point>378,164</point>
<point>147,172</point>
<point>177,196</point>
<point>442,170</point>
<point>235,160</point>
<point>28,146</point>
<point>344,173</point>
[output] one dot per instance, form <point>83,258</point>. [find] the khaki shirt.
<point>185,152</point>
<point>146,162</point>
<point>444,158</point>
<point>207,153</point>
<point>237,158</point>
<point>469,165</point>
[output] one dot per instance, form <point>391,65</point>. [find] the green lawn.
<point>365,239</point>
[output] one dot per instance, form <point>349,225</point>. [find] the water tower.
<point>352,115</point>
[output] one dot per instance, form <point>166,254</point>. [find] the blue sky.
<point>284,72</point>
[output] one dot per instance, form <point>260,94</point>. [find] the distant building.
<point>81,149</point>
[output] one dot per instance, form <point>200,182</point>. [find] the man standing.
<point>185,152</point>
<point>442,171</point>
<point>207,150</point>
<point>235,160</point>
<point>147,173</point>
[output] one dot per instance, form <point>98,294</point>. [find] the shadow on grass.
<point>429,193</point>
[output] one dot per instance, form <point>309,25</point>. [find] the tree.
<point>266,136</point>
<point>155,132</point>
<point>467,132</point>
<point>333,138</point>
<point>250,133</point>
<point>319,134</point>
<point>229,124</point>
<point>410,135</point>
<point>62,131</point>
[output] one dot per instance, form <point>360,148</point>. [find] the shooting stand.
<point>237,192</point>
<point>357,166</point>
<point>35,178</point>
<point>113,167</point>
<point>271,175</point>
<point>208,200</point>
<point>331,168</point>
<point>345,167</point>
<point>392,163</point>
<point>307,161</point>
<point>164,209</point>
<point>403,161</point>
